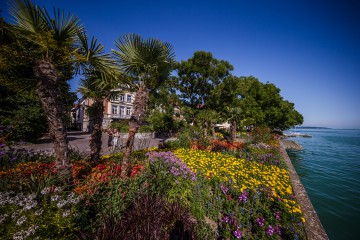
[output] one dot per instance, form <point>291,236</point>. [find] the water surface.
<point>329,168</point>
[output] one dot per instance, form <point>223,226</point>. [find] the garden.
<point>223,186</point>
<point>209,190</point>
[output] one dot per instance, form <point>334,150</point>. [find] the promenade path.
<point>79,141</point>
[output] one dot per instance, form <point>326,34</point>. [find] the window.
<point>116,98</point>
<point>122,97</point>
<point>122,111</point>
<point>128,111</point>
<point>128,98</point>
<point>114,109</point>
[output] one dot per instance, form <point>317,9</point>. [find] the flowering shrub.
<point>261,134</point>
<point>99,175</point>
<point>222,146</point>
<point>30,176</point>
<point>51,214</point>
<point>177,167</point>
<point>251,191</point>
<point>169,176</point>
<point>264,154</point>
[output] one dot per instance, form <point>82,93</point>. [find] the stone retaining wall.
<point>313,228</point>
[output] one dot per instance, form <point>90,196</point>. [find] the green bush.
<point>122,125</point>
<point>261,135</point>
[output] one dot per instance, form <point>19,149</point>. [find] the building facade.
<point>117,108</point>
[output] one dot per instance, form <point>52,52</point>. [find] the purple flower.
<point>237,233</point>
<point>270,230</point>
<point>278,229</point>
<point>260,221</point>
<point>178,167</point>
<point>244,196</point>
<point>224,189</point>
<point>278,215</point>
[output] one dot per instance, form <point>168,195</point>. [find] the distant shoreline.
<point>302,127</point>
<point>308,127</point>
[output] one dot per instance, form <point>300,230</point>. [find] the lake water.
<point>329,168</point>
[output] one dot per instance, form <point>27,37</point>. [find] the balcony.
<point>118,116</point>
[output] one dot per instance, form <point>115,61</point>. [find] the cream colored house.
<point>118,108</point>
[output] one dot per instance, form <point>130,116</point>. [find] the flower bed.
<point>217,195</point>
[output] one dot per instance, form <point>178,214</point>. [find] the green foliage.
<point>199,75</point>
<point>146,128</point>
<point>272,110</point>
<point>185,137</point>
<point>197,79</point>
<point>24,113</point>
<point>122,125</point>
<point>163,122</point>
<point>261,134</point>
<point>150,61</point>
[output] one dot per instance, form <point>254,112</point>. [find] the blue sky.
<point>309,49</point>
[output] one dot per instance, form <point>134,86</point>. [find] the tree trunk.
<point>140,103</point>
<point>233,130</point>
<point>95,138</point>
<point>205,129</point>
<point>50,95</point>
<point>212,125</point>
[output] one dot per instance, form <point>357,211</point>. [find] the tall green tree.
<point>50,48</point>
<point>266,106</point>
<point>197,78</point>
<point>149,62</point>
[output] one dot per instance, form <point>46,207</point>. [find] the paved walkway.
<point>79,141</point>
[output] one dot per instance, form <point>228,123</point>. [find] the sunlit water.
<point>329,168</point>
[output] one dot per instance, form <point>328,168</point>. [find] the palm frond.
<point>149,60</point>
<point>92,55</point>
<point>97,84</point>
<point>27,17</point>
<point>65,27</point>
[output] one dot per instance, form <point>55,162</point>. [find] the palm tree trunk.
<point>95,138</point>
<point>51,98</point>
<point>233,130</point>
<point>140,103</point>
<point>212,125</point>
<point>205,129</point>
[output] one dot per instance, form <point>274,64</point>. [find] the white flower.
<point>21,220</point>
<point>39,212</point>
<point>15,214</point>
<point>55,198</point>
<point>66,213</point>
<point>19,235</point>
<point>3,217</point>
<point>61,203</point>
<point>45,191</point>
<point>24,234</point>
<point>30,205</point>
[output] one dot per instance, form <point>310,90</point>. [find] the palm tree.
<point>48,48</point>
<point>234,115</point>
<point>150,63</point>
<point>89,88</point>
<point>98,85</point>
